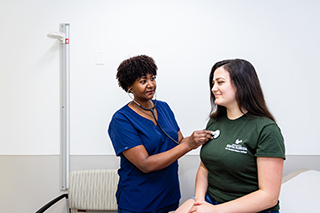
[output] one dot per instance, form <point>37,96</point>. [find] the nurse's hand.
<point>198,138</point>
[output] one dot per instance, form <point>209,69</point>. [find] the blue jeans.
<point>166,209</point>
<point>214,202</point>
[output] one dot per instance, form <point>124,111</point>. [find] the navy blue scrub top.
<point>138,191</point>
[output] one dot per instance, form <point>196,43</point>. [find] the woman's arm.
<point>200,191</point>
<point>269,179</point>
<point>201,183</point>
<point>140,158</point>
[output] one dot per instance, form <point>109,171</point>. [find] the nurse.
<point>148,168</point>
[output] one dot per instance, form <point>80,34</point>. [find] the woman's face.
<point>144,88</point>
<point>223,89</point>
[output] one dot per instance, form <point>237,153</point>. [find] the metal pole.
<point>65,105</point>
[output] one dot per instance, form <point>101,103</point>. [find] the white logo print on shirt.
<point>237,147</point>
<point>238,141</point>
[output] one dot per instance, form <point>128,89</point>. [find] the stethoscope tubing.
<point>154,116</point>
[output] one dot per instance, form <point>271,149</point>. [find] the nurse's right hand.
<point>198,138</point>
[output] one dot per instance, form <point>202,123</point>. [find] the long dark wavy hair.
<point>249,94</point>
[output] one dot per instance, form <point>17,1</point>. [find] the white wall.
<point>281,38</point>
<point>29,182</point>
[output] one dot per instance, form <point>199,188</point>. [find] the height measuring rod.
<point>65,105</point>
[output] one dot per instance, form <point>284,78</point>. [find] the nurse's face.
<point>144,88</point>
<point>223,89</point>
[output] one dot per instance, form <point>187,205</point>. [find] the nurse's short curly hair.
<point>133,68</point>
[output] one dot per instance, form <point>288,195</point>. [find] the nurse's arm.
<point>149,163</point>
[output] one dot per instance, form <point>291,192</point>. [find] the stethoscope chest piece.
<point>216,134</point>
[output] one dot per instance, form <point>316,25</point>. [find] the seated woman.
<point>241,167</point>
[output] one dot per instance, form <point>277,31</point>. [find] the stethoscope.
<point>153,114</point>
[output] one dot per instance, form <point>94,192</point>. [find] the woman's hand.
<point>198,138</point>
<point>202,207</point>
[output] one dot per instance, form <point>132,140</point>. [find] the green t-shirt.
<point>231,157</point>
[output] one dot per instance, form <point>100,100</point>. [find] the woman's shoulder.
<point>211,122</point>
<point>124,110</point>
<point>264,124</point>
<point>254,120</point>
<point>162,104</point>
<point>264,121</point>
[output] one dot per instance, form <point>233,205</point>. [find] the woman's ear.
<point>129,90</point>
